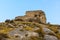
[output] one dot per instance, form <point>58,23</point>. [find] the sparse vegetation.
<point>20,27</point>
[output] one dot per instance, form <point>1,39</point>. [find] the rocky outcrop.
<point>31,26</point>
<point>50,37</point>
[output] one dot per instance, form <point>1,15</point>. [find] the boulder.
<point>50,37</point>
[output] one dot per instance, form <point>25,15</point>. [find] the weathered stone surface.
<point>50,37</point>
<point>48,31</point>
<point>39,14</point>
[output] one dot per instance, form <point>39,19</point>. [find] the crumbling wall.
<point>38,16</point>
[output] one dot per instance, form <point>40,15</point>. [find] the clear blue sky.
<point>9,9</point>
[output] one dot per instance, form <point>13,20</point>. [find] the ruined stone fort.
<point>33,16</point>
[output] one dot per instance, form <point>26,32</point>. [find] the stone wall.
<point>35,15</point>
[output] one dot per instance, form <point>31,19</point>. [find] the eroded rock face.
<point>48,31</point>
<point>50,37</point>
<point>22,35</point>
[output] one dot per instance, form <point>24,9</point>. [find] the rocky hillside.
<point>31,26</point>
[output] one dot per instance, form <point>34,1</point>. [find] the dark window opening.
<point>35,15</point>
<point>39,15</point>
